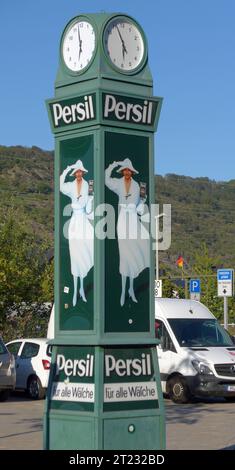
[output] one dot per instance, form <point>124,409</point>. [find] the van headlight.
<point>202,368</point>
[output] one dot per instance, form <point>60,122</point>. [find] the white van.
<point>196,355</point>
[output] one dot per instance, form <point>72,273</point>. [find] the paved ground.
<point>207,425</point>
<point>21,424</point>
<point>202,425</point>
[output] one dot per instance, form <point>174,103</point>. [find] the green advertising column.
<point>104,390</point>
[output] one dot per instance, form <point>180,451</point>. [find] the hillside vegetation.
<point>202,231</point>
<point>202,210</point>
<point>26,183</point>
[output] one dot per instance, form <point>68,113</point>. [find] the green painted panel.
<point>130,379</point>
<point>76,234</point>
<point>72,383</point>
<point>129,109</point>
<point>132,433</point>
<point>69,434</point>
<point>72,112</point>
<point>127,260</point>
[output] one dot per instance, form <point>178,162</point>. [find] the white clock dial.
<point>123,43</point>
<point>78,45</point>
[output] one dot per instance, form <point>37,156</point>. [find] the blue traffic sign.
<point>225,274</point>
<point>195,286</point>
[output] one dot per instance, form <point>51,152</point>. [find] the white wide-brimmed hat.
<point>78,166</point>
<point>126,164</point>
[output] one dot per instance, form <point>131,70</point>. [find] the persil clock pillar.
<point>104,390</point>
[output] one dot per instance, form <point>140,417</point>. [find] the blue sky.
<point>192,59</point>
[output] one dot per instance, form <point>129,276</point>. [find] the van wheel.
<point>35,389</point>
<point>4,395</point>
<point>178,390</point>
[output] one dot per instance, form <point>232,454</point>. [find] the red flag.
<point>180,262</point>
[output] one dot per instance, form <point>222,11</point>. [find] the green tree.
<point>22,264</point>
<point>167,288</point>
<point>47,283</point>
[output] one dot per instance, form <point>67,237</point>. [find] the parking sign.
<point>225,282</point>
<point>195,286</point>
<point>195,289</point>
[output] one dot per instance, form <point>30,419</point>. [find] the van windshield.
<point>199,332</point>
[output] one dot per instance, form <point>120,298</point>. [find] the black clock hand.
<point>80,43</point>
<point>124,50</point>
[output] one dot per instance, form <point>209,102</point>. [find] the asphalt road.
<point>203,425</point>
<point>21,423</point>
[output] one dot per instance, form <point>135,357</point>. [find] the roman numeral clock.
<point>104,390</point>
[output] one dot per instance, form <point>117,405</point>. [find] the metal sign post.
<point>104,390</point>
<point>225,280</point>
<point>225,312</point>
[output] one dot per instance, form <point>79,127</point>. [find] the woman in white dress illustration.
<point>134,244</point>
<point>80,231</point>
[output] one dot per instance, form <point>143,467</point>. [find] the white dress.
<point>80,231</point>
<point>133,238</point>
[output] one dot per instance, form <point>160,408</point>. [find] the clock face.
<point>78,45</point>
<point>123,44</point>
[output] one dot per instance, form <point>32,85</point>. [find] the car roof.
<point>30,340</point>
<point>181,308</point>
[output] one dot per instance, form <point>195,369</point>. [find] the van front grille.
<point>227,370</point>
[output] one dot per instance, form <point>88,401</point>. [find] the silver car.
<point>7,372</point>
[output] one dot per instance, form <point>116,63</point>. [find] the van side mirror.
<point>232,338</point>
<point>164,343</point>
<point>167,344</point>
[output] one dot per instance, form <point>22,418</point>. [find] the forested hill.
<point>202,210</point>
<point>26,182</point>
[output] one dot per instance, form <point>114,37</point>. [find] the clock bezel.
<point>128,19</point>
<point>75,20</point>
